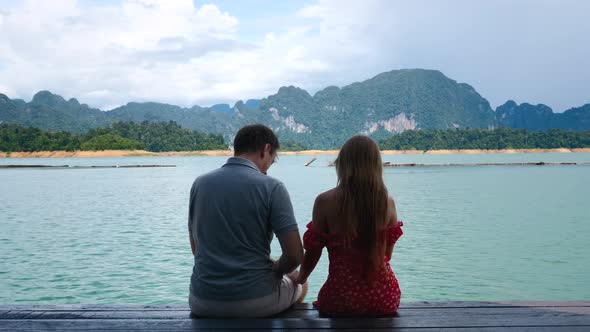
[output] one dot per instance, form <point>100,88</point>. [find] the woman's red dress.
<point>347,292</point>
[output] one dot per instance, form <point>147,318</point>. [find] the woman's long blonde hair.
<point>364,199</point>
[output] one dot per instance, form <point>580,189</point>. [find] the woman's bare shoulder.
<point>390,201</point>
<point>391,212</point>
<point>327,197</point>
<point>321,210</point>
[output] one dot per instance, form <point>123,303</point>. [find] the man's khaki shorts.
<point>280,300</point>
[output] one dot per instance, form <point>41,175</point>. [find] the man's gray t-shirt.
<point>233,212</point>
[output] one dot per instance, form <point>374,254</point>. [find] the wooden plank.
<point>302,314</point>
<point>306,306</point>
<point>468,329</point>
<point>302,306</point>
<point>474,316</point>
<point>485,304</point>
<point>97,307</point>
<point>479,317</point>
<point>245,324</point>
<point>410,329</point>
<point>153,313</point>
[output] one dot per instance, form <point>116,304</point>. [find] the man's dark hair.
<point>252,138</point>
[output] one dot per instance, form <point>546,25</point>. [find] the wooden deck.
<point>419,316</point>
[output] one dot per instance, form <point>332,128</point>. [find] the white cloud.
<point>172,51</point>
<point>120,51</point>
<point>528,50</point>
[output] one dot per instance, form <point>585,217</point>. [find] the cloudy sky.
<point>184,52</point>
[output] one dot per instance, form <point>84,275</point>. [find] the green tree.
<point>501,138</point>
<point>110,142</point>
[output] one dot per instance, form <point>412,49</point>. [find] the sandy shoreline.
<point>142,153</point>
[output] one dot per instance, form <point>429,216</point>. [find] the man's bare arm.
<point>292,253</point>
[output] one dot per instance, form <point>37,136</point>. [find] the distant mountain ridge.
<point>541,117</point>
<point>388,103</point>
<point>50,111</point>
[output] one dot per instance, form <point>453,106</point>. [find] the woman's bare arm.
<point>310,259</point>
<point>391,221</point>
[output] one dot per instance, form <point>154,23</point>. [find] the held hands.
<point>297,277</point>
<point>294,275</point>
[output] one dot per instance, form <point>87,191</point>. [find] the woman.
<point>357,222</point>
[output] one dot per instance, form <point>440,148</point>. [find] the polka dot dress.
<point>346,291</point>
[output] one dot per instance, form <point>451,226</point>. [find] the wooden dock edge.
<point>414,316</point>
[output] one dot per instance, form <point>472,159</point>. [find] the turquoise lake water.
<point>471,233</point>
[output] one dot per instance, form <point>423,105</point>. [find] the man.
<point>233,212</point>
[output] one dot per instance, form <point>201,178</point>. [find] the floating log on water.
<point>539,163</point>
<point>33,166</point>
<point>533,163</point>
<point>69,166</point>
<point>309,162</point>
